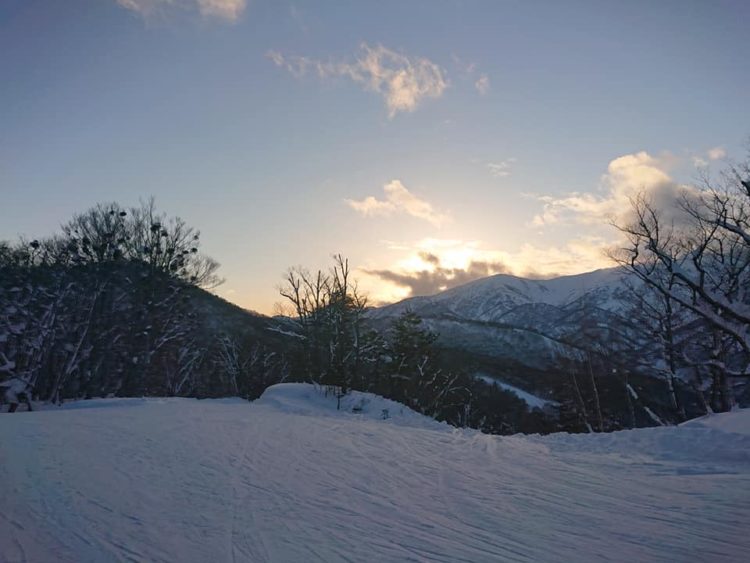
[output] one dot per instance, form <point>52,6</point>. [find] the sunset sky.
<point>431,142</point>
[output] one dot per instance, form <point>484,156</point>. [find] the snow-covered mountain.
<point>494,297</point>
<point>289,478</point>
<point>529,321</point>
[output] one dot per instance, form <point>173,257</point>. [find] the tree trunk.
<point>581,405</point>
<point>597,405</point>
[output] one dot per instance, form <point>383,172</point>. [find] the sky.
<point>430,142</point>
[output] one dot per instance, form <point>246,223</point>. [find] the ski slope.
<point>288,478</point>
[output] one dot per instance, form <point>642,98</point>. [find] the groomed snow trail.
<point>186,480</point>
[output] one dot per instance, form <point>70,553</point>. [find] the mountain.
<point>491,299</point>
<point>533,322</point>
<point>290,478</point>
<point>534,338</point>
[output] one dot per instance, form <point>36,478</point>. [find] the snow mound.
<point>716,439</point>
<point>736,422</point>
<point>312,400</point>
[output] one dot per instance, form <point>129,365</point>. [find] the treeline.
<point>112,306</point>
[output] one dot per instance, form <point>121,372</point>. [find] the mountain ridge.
<point>484,294</point>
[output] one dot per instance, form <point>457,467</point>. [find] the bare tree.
<point>108,232</point>
<point>663,325</point>
<point>232,361</point>
<point>181,367</point>
<point>697,257</point>
<point>328,311</point>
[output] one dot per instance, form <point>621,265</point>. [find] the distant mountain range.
<point>532,322</point>
<point>492,298</point>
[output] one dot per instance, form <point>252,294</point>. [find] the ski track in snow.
<point>186,480</point>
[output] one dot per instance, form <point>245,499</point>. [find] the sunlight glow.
<point>456,261</point>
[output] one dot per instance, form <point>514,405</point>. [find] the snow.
<point>6,365</point>
<point>652,415</point>
<point>289,478</point>
<point>305,399</point>
<point>527,321</point>
<point>286,332</point>
<point>532,401</point>
<point>490,298</point>
<point>735,423</point>
<point>11,388</point>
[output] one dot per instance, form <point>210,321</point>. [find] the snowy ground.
<point>289,479</point>
<point>532,401</point>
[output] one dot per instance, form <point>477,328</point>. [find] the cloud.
<point>580,254</point>
<point>626,177</point>
<point>143,7</point>
<point>483,84</point>
<point>398,199</point>
<point>699,162</point>
<point>464,67</point>
<point>438,278</point>
<point>500,169</point>
<point>229,10</point>
<point>403,82</point>
<point>702,160</point>
<point>467,70</point>
<point>434,265</point>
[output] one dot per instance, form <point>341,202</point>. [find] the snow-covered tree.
<point>92,311</point>
<point>414,374</point>
<point>696,255</point>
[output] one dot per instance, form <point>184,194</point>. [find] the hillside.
<point>288,478</point>
<point>529,336</point>
<point>120,327</point>
<point>490,299</point>
<point>533,322</point>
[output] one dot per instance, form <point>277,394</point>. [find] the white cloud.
<point>398,199</point>
<point>464,67</point>
<point>279,60</point>
<point>500,169</point>
<point>431,265</point>
<point>483,84</point>
<point>626,177</point>
<point>467,71</point>
<point>402,81</point>
<point>229,10</point>
<point>699,162</point>
<point>702,160</point>
<point>143,7</point>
